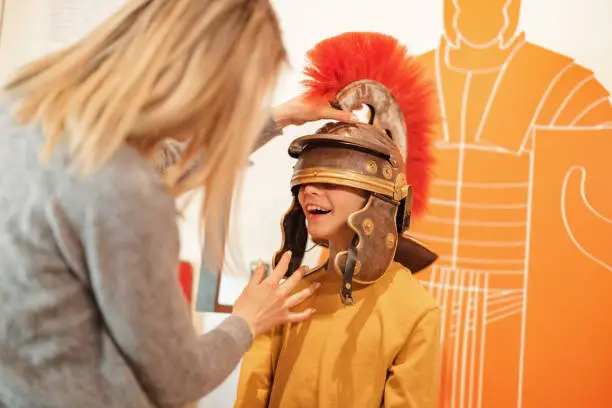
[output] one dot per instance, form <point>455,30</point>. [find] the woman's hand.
<point>297,112</point>
<point>265,303</point>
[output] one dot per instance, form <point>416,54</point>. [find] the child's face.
<point>327,208</point>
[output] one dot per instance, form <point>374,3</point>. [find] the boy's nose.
<point>312,189</point>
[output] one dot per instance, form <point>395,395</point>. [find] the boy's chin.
<point>317,235</point>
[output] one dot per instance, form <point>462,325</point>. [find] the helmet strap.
<point>346,293</point>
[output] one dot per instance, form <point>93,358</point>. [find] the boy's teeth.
<point>316,209</point>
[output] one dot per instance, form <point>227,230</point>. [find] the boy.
<point>377,344</point>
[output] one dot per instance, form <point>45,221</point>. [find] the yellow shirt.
<point>381,352</point>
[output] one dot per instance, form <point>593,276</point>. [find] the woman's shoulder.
<point>126,182</point>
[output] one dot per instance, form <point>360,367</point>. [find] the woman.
<point>92,313</point>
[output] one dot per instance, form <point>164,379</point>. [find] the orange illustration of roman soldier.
<point>495,89</point>
<point>567,359</point>
<point>591,241</point>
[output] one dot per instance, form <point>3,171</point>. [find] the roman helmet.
<point>388,157</point>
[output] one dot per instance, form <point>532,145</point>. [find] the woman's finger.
<point>302,295</point>
<point>287,286</point>
<point>339,115</point>
<point>300,316</point>
<point>281,268</point>
<point>258,274</point>
<point>285,289</point>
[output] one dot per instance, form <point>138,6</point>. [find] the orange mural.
<point>495,88</point>
<point>568,360</point>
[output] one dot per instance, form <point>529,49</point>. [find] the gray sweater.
<point>91,311</point>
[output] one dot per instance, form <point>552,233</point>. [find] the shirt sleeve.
<point>413,380</point>
<point>269,132</point>
<point>131,245</point>
<point>257,371</point>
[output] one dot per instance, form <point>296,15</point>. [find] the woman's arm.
<point>293,112</point>
<point>172,150</point>
<point>269,132</point>
<point>131,245</point>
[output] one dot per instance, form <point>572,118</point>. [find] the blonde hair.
<point>199,71</point>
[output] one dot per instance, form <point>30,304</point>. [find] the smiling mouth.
<point>316,210</point>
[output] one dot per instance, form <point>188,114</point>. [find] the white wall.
<point>23,33</point>
<point>33,27</point>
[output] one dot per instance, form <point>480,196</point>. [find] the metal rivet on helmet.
<point>371,167</point>
<point>387,172</point>
<point>368,226</point>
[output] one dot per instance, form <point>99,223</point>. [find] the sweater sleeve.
<point>131,244</point>
<point>172,150</point>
